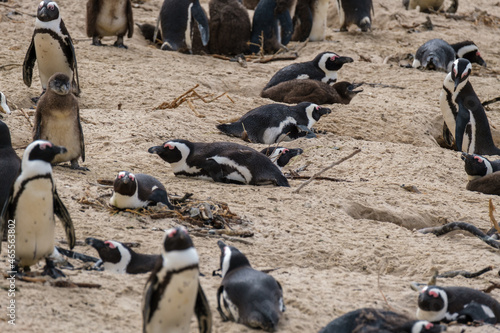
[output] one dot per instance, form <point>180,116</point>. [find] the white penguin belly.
<point>123,201</point>
<point>60,130</point>
<point>35,222</point>
<point>319,21</point>
<point>112,18</point>
<point>50,57</point>
<point>176,306</point>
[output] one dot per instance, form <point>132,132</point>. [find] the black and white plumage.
<point>173,292</point>
<point>57,120</point>
<point>117,257</point>
<point>482,174</point>
<point>281,155</point>
<point>322,68</point>
<point>10,163</point>
<point>223,162</point>
<point>178,20</point>
<point>138,191</point>
<point>369,320</point>
<point>446,304</point>
<point>355,12</point>
<point>51,47</point>
<point>32,203</point>
<point>272,123</point>
<point>309,21</point>
<point>247,296</point>
<point>109,18</point>
<point>4,107</point>
<point>463,113</point>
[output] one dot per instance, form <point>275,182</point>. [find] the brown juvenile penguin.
<point>109,18</point>
<point>230,27</point>
<point>297,91</point>
<point>57,119</point>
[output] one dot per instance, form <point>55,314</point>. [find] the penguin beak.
<point>42,14</point>
<point>95,243</point>
<point>126,180</point>
<point>295,152</point>
<point>464,156</point>
<point>354,86</point>
<point>457,82</point>
<point>155,150</point>
<point>221,245</point>
<point>344,60</point>
<point>59,150</point>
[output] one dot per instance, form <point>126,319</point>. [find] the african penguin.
<point>51,46</point>
<point>10,164</point>
<point>230,27</point>
<point>223,162</point>
<point>109,18</point>
<point>281,155</point>
<point>32,203</point>
<point>3,104</point>
<point>376,320</point>
<point>463,114</point>
<point>137,191</point>
<point>448,304</point>
<point>309,21</point>
<point>273,123</point>
<point>468,50</point>
<point>247,296</point>
<point>57,119</point>
<point>322,68</point>
<point>355,12</point>
<point>148,32</point>
<point>272,22</point>
<point>482,174</point>
<point>173,292</point>
<point>178,19</point>
<point>118,258</point>
<point>296,91</point>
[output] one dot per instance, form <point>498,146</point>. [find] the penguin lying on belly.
<point>223,162</point>
<point>273,123</point>
<point>482,174</point>
<point>296,91</point>
<point>281,155</point>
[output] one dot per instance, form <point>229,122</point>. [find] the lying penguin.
<point>429,6</point>
<point>273,123</point>
<point>296,91</point>
<point>137,191</point>
<point>247,296</point>
<point>223,162</point>
<point>281,155</point>
<point>375,320</point>
<point>482,174</point>
<point>446,304</point>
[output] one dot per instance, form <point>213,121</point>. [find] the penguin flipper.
<point>29,63</point>
<point>219,309</point>
<point>202,311</point>
<point>71,59</point>
<point>4,216</point>
<point>130,19</point>
<point>92,11</point>
<point>201,19</point>
<point>463,118</point>
<point>160,195</point>
<point>310,134</point>
<point>37,128</point>
<point>286,24</point>
<point>448,137</point>
<point>82,140</point>
<point>61,212</point>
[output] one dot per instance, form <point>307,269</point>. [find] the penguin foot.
<point>51,270</point>
<point>76,166</point>
<point>120,45</point>
<point>96,41</point>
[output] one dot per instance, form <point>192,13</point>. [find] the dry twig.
<point>444,229</point>
<point>26,116</point>
<point>465,274</point>
<point>492,218</point>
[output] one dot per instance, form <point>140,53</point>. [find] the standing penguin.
<point>32,203</point>
<point>3,104</point>
<point>137,190</point>
<point>51,46</point>
<point>463,304</point>
<point>177,18</point>
<point>57,119</point>
<point>173,292</point>
<point>230,27</point>
<point>109,18</point>
<point>322,68</point>
<point>247,296</point>
<point>355,12</point>
<point>10,164</point>
<point>464,114</point>
<point>309,21</point>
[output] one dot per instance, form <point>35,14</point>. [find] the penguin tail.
<point>234,129</point>
<point>365,24</point>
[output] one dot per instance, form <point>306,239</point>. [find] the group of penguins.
<point>247,296</point>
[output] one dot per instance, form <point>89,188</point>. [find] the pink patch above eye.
<point>45,145</point>
<point>478,54</point>
<point>479,159</point>
<point>169,146</point>
<point>51,7</point>
<point>172,233</point>
<point>333,58</point>
<point>434,294</point>
<point>110,245</point>
<point>285,151</point>
<point>429,326</point>
<point>131,177</point>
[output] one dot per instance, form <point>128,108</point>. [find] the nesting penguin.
<point>428,6</point>
<point>355,12</point>
<point>482,174</point>
<point>463,113</point>
<point>230,27</point>
<point>375,320</point>
<point>247,296</point>
<point>173,293</point>
<point>119,258</point>
<point>3,104</point>
<point>296,91</point>
<point>32,203</point>
<point>462,304</point>
<point>10,163</point>
<point>109,18</point>
<point>57,119</point>
<point>272,22</point>
<point>138,191</point>
<point>223,162</point>
<point>51,47</point>
<point>281,155</point>
<point>178,20</point>
<point>322,68</point>
<point>272,123</point>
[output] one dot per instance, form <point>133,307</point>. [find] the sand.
<point>336,246</point>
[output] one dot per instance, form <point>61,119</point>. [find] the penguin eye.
<point>479,159</point>
<point>285,151</point>
<point>131,177</point>
<point>50,6</point>
<point>433,294</point>
<point>478,54</point>
<point>169,146</point>
<point>429,326</point>
<point>45,145</point>
<point>333,58</point>
<point>317,108</point>
<point>172,233</point>
<point>110,245</point>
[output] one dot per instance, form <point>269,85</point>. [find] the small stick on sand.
<point>26,116</point>
<point>444,229</point>
<point>492,218</point>
<point>491,101</point>
<point>493,286</point>
<point>465,274</point>
<point>381,292</point>
<point>325,169</point>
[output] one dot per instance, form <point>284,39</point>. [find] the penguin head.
<point>60,84</point>
<point>432,303</point>
<point>47,11</point>
<point>125,183</point>
<point>460,71</point>
<point>469,51</point>
<point>423,326</point>
<point>172,151</point>
<point>41,151</point>
<point>4,135</point>
<point>231,258</point>
<point>347,90</point>
<point>476,166</point>
<point>176,239</point>
<point>281,155</point>
<point>109,251</point>
<point>3,104</point>
<point>330,61</point>
<point>313,112</point>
